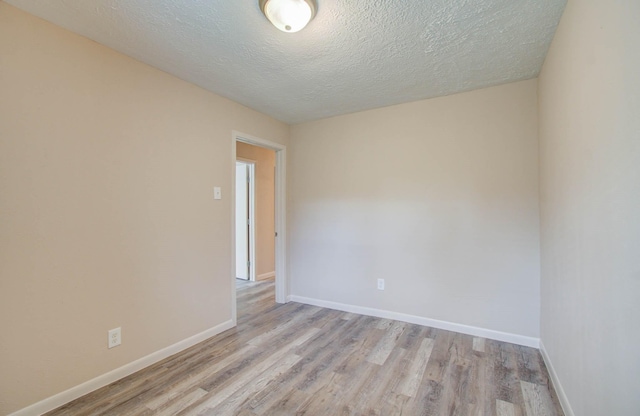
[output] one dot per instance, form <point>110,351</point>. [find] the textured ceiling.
<point>355,54</point>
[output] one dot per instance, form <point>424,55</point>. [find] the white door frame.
<point>281,211</point>
<point>252,215</point>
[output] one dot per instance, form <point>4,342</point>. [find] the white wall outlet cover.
<point>380,284</point>
<point>217,192</point>
<point>115,337</point>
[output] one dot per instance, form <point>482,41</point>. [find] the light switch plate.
<point>217,193</point>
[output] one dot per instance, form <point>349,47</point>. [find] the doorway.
<point>279,217</point>
<point>245,220</point>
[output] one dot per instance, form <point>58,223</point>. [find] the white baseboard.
<point>80,390</point>
<point>562,397</point>
<point>413,319</point>
<point>264,276</point>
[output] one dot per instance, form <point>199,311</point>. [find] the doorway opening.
<point>259,231</point>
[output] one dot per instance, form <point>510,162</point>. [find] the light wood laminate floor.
<point>297,359</point>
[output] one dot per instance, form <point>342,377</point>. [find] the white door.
<point>242,221</point>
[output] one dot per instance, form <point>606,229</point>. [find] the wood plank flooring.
<point>297,359</point>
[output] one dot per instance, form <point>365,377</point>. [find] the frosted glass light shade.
<point>289,15</point>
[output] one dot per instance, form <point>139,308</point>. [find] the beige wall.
<point>590,206</point>
<point>107,216</point>
<point>265,204</point>
<point>438,197</point>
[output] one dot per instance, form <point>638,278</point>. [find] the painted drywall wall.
<point>107,216</point>
<point>590,206</point>
<point>438,197</point>
<point>265,162</point>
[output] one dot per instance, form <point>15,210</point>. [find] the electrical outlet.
<point>115,337</point>
<point>380,284</point>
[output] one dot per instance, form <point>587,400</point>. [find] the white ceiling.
<point>355,54</point>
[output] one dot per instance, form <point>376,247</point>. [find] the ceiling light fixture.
<point>289,15</point>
